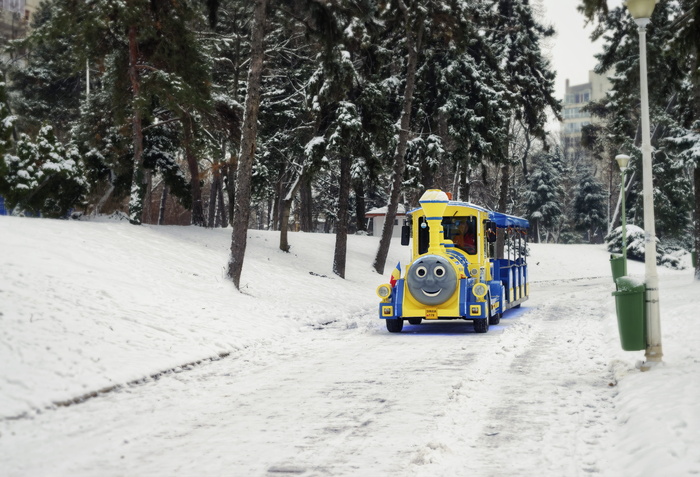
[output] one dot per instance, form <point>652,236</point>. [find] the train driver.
<point>465,238</point>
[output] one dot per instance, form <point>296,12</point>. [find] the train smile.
<point>431,294</point>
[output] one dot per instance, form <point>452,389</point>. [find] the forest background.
<point>303,114</point>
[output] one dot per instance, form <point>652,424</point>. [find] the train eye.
<point>439,271</point>
<point>421,272</point>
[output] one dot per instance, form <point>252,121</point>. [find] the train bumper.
<point>391,307</point>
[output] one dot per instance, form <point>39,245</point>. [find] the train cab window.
<point>462,232</point>
<point>423,236</point>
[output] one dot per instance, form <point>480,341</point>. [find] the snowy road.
<point>437,399</point>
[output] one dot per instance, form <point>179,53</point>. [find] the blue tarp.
<point>2,207</point>
<point>505,220</point>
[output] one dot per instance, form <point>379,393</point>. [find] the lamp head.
<point>641,8</point>
<point>622,161</point>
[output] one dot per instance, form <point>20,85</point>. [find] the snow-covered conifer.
<point>43,177</point>
<point>590,214</point>
<point>543,197</point>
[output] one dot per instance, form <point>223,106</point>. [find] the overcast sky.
<point>571,51</point>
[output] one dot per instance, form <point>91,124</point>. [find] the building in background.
<point>377,217</point>
<point>576,97</point>
<point>15,16</point>
<point>581,160</point>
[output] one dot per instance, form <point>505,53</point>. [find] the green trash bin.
<point>618,264</point>
<point>631,319</point>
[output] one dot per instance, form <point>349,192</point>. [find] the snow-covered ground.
<point>296,375</point>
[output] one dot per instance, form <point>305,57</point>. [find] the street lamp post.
<point>641,11</point>
<point>622,161</point>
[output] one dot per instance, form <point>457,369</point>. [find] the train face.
<point>432,280</point>
<point>454,271</point>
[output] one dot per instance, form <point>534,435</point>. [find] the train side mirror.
<point>405,234</point>
<point>490,231</point>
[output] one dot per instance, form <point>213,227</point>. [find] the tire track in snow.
<point>545,405</point>
<point>437,399</point>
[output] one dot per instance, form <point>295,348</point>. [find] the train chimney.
<point>434,202</point>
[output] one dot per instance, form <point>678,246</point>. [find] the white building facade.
<point>576,97</point>
<point>15,16</point>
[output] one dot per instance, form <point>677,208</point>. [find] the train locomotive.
<point>456,271</point>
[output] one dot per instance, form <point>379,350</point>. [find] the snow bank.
<point>90,305</point>
<point>86,306</point>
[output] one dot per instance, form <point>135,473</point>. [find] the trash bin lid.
<point>630,284</point>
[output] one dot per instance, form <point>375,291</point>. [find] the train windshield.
<point>461,230</point>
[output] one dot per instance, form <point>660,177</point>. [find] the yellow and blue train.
<point>457,270</point>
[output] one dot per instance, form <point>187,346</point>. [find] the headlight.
<point>474,272</point>
<point>384,291</point>
<point>480,290</point>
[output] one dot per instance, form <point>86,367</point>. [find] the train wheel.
<point>481,325</point>
<point>494,318</point>
<point>394,325</point>
<point>415,321</point>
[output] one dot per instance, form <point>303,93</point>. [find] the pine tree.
<point>48,84</point>
<point>622,130</point>
<point>7,123</point>
<point>342,121</point>
<point>590,215</point>
<point>528,74</point>
<point>288,123</point>
<point>241,213</point>
<point>226,44</point>
<point>528,80</point>
<point>153,69</point>
<point>461,110</point>
<point>42,177</point>
<point>543,197</point>
<point>673,45</point>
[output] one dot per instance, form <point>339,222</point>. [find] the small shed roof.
<point>381,211</point>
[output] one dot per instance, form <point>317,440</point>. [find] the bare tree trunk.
<point>147,215</point>
<point>138,178</point>
<point>535,232</point>
<point>341,229</point>
<point>222,211</point>
<point>696,171</point>
<point>413,39</point>
<point>231,169</point>
<point>163,202</point>
<point>306,204</point>
<point>193,165</point>
<point>284,224</point>
<point>286,206</point>
<point>277,207</point>
<point>456,182</point>
<point>502,205</point>
<point>465,184</point>
<point>211,216</point>
<point>241,212</point>
<point>107,194</point>
<point>526,154</point>
<point>696,181</point>
<point>360,206</point>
